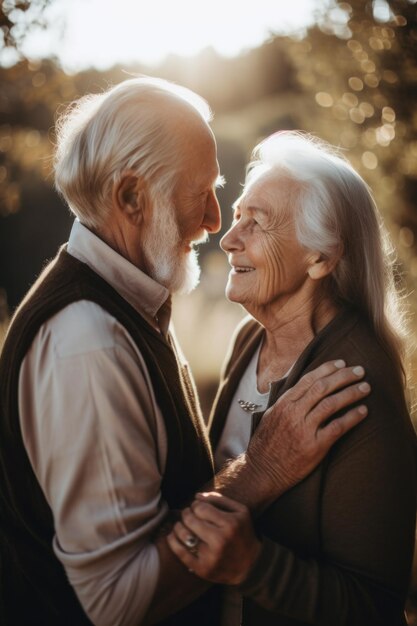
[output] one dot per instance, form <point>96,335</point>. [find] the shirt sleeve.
<point>97,443</point>
<point>367,533</point>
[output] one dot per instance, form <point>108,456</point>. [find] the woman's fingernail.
<point>364,387</point>
<point>362,410</point>
<point>339,364</point>
<point>358,371</point>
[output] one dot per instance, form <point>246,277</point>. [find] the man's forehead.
<point>208,173</point>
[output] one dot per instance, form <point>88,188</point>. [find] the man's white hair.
<point>336,215</point>
<point>128,128</point>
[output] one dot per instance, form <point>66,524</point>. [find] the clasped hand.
<point>215,537</point>
<point>227,545</point>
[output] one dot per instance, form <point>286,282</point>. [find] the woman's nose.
<point>230,241</point>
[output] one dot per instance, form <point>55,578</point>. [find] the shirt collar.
<point>140,290</point>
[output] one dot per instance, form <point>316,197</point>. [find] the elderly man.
<point>101,435</point>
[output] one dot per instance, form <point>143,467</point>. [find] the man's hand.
<point>226,544</point>
<point>295,435</point>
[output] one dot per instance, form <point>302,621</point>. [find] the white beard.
<point>169,264</point>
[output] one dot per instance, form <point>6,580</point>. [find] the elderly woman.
<point>311,266</point>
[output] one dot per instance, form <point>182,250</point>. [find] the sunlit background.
<point>345,71</point>
<point>99,34</point>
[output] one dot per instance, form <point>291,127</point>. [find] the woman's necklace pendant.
<point>249,407</point>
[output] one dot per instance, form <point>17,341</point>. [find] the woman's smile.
<point>241,269</point>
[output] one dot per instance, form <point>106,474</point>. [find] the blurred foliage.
<point>17,19</point>
<point>363,74</point>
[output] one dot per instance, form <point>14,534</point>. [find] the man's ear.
<point>129,197</point>
<point>321,266</point>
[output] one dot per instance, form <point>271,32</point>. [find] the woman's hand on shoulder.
<point>296,432</point>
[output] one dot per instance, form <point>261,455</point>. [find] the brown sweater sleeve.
<point>367,526</point>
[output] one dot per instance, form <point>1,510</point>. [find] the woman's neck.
<point>289,329</point>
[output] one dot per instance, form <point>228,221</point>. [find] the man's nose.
<point>212,217</point>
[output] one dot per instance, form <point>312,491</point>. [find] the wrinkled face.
<point>188,217</point>
<point>269,265</point>
<point>195,201</point>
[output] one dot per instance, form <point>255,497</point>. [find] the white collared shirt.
<point>96,440</point>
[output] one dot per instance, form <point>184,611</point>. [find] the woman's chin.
<point>230,295</point>
<point>234,296</point>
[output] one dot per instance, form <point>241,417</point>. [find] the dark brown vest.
<point>33,585</point>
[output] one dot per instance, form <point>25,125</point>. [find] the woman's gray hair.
<point>127,128</point>
<point>336,215</point>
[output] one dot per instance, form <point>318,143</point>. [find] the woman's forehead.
<point>270,191</point>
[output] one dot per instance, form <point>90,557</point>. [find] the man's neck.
<point>123,238</point>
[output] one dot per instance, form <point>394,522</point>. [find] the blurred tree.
<point>360,66</point>
<point>18,18</point>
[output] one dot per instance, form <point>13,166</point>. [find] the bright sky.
<point>102,33</point>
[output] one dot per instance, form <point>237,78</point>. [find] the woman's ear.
<point>129,197</point>
<point>321,266</point>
